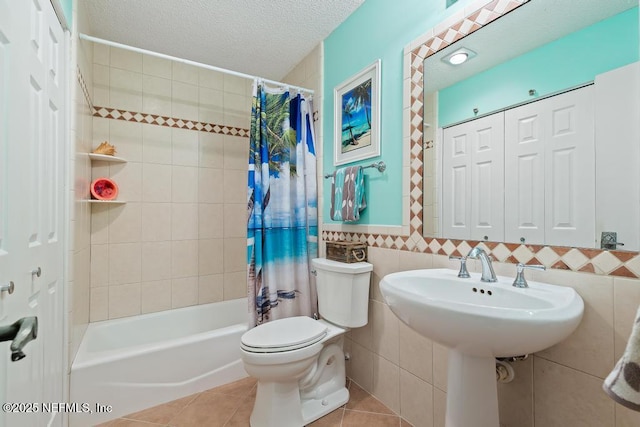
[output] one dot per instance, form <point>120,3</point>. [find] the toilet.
<point>299,361</point>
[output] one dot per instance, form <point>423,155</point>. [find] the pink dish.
<point>104,189</point>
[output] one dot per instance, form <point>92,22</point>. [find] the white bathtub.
<point>137,362</point>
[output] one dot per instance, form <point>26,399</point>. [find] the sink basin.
<point>480,321</point>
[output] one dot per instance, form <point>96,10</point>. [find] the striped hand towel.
<point>347,194</point>
<point>623,383</point>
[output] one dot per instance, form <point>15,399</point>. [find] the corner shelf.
<point>107,202</point>
<point>110,159</point>
<point>106,158</point>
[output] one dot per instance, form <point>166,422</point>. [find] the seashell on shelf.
<point>105,148</point>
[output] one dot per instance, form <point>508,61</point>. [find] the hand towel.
<point>347,194</point>
<point>623,383</point>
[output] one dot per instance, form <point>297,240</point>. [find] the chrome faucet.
<point>20,332</point>
<point>488,274</point>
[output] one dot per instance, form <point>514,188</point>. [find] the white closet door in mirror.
<point>550,161</point>
<point>473,179</point>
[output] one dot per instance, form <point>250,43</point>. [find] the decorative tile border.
<point>155,119</point>
<point>595,261</point>
<point>83,86</point>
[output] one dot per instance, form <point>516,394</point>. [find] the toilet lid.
<point>283,335</point>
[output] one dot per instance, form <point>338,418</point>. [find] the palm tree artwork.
<point>356,117</point>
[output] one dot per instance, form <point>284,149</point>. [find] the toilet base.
<point>279,404</point>
<point>312,409</point>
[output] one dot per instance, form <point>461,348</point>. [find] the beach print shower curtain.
<point>282,224</point>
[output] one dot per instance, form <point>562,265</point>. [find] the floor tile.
<point>230,405</point>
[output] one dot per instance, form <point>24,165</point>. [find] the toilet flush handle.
<point>314,272</point>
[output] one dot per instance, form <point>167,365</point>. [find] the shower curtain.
<point>282,223</point>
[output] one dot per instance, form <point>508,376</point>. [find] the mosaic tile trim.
<point>595,261</point>
<point>155,119</point>
<point>85,89</point>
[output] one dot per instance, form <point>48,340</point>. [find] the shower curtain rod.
<point>189,62</point>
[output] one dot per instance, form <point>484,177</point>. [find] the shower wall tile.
<point>185,73</point>
<point>99,304</point>
<point>125,263</point>
<point>211,256</point>
<point>184,221</point>
<point>211,150</point>
<point>235,220</point>
<point>156,145</point>
<point>155,296</point>
<point>235,85</point>
<point>235,285</point>
<point>156,183</point>
<point>124,300</point>
<point>211,188</point>
<point>210,79</point>
<point>235,186</point>
<point>129,179</point>
<point>181,238</point>
<point>127,138</point>
<point>236,152</point>
<point>125,91</point>
<point>154,66</point>
<point>126,60</point>
<point>156,223</point>
<point>184,292</point>
<point>99,265</point>
<point>184,98</point>
<point>156,95</point>
<point>184,258</point>
<point>184,184</point>
<point>210,221</point>
<point>210,288</point>
<point>235,258</point>
<point>126,223</point>
<point>156,261</point>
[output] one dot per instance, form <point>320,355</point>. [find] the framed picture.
<point>357,117</point>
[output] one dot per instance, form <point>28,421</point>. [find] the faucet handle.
<point>463,273</point>
<point>520,281</point>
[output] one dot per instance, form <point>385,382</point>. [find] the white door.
<point>32,123</point>
<point>550,157</point>
<point>473,179</point>
<point>524,172</point>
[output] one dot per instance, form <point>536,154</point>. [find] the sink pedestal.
<point>472,392</point>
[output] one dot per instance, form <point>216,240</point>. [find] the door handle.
<point>20,333</point>
<point>7,288</point>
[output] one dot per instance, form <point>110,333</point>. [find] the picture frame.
<point>357,116</point>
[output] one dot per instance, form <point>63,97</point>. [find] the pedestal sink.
<point>480,321</point>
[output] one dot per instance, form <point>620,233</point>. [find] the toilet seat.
<point>283,335</point>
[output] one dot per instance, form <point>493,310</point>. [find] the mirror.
<point>537,51</point>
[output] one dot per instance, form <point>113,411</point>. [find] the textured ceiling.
<point>266,38</point>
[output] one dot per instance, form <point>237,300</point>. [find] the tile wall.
<point>78,179</point>
<point>561,386</point>
<point>308,74</point>
<point>180,239</point>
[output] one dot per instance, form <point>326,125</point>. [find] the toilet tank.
<point>343,291</point>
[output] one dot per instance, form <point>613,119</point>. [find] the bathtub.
<point>137,362</point>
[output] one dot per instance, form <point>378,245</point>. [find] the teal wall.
<point>67,8</point>
<point>377,29</point>
<point>563,63</point>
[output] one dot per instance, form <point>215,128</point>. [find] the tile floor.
<point>230,405</point>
